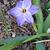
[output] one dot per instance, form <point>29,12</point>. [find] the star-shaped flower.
<point>24,11</point>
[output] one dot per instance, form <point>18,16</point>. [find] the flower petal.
<point>29,17</point>
<point>15,12</point>
<point>33,9</point>
<point>26,4</point>
<point>20,20</point>
<point>19,4</point>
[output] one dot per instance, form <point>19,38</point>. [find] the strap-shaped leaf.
<point>48,5</point>
<point>36,36</point>
<point>10,43</point>
<point>47,23</point>
<point>39,17</point>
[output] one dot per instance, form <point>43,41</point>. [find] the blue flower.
<point>23,12</point>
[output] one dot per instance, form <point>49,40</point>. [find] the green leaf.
<point>40,46</point>
<point>47,5</point>
<point>47,23</point>
<point>36,36</point>
<point>10,43</point>
<point>39,16</point>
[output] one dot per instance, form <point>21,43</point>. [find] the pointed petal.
<point>15,11</point>
<point>26,4</point>
<point>20,20</point>
<point>34,9</point>
<point>19,4</point>
<point>29,18</point>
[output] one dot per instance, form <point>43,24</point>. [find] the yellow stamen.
<point>24,10</point>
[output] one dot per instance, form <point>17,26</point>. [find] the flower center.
<point>24,10</point>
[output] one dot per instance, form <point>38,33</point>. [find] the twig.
<point>42,41</point>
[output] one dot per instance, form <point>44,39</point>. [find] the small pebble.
<point>13,35</point>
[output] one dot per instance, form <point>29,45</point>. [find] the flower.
<point>23,12</point>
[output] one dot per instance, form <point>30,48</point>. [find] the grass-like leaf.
<point>39,18</point>
<point>35,36</point>
<point>47,23</point>
<point>10,43</point>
